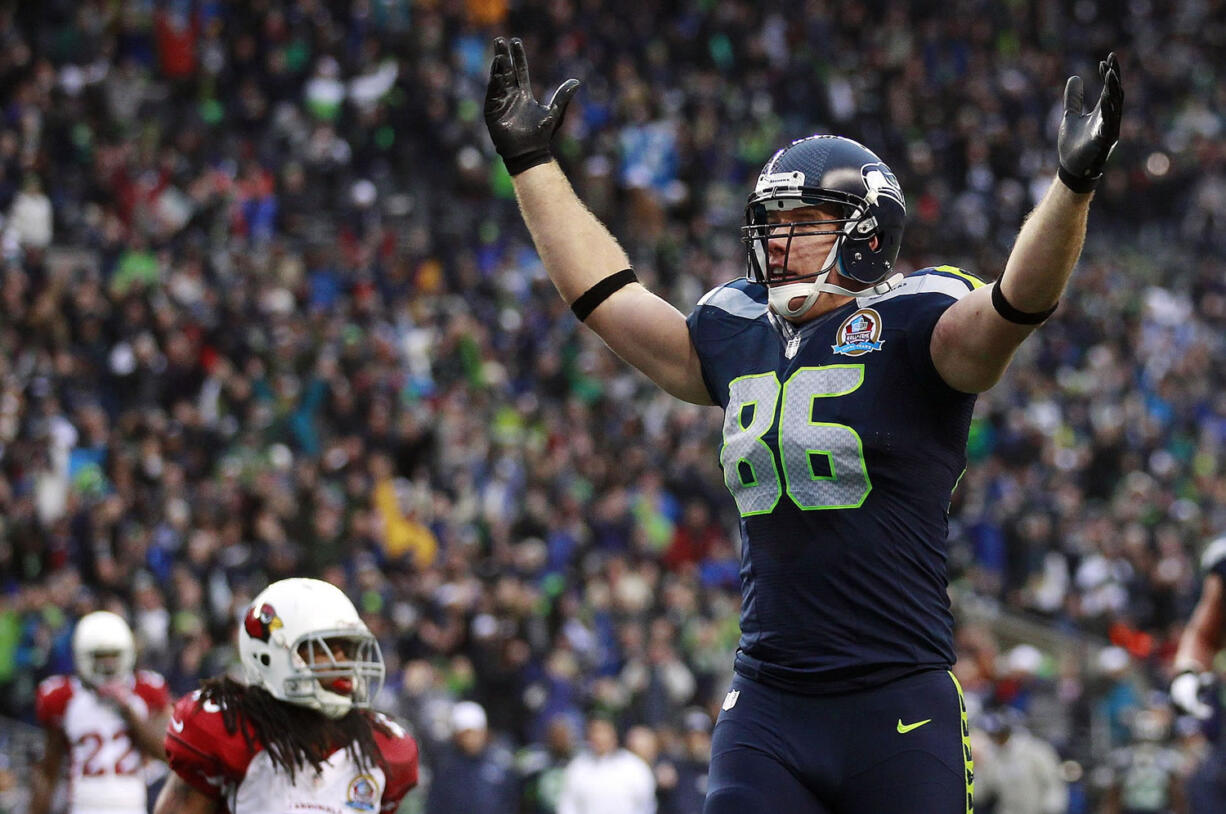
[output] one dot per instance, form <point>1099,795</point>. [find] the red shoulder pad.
<point>152,689</point>
<point>201,751</point>
<point>54,693</point>
<point>399,752</point>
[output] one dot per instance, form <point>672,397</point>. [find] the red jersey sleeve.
<point>201,751</point>
<point>399,753</point>
<point>152,689</point>
<point>52,700</point>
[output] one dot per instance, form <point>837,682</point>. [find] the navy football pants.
<point>902,748</point>
<point>1206,788</point>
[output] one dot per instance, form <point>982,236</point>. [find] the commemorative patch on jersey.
<point>361,793</point>
<point>859,334</point>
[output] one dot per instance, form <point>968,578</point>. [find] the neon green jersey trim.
<point>974,281</point>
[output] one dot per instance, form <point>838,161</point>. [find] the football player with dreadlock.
<point>299,733</point>
<point>847,389</point>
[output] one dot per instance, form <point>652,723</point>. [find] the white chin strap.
<point>333,705</point>
<point>781,296</point>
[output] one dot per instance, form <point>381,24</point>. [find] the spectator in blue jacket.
<point>472,774</point>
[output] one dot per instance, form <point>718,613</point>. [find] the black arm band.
<point>1079,185</point>
<point>594,296</point>
<point>1013,315</point>
<point>519,163</point>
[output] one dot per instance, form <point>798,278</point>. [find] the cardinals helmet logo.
<point>261,622</point>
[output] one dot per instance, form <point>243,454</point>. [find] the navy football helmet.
<point>849,181</point>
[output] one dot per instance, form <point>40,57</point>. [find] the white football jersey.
<point>221,764</point>
<point>106,768</point>
<point>341,788</point>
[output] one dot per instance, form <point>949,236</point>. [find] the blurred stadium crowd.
<point>266,310</point>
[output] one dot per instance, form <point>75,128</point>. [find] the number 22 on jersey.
<point>94,763</point>
<point>822,463</point>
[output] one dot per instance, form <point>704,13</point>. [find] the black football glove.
<point>520,126</point>
<point>1086,139</point>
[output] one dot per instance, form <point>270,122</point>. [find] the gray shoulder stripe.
<point>734,301</point>
<point>921,284</point>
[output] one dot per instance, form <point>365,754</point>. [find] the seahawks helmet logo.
<point>879,181</point>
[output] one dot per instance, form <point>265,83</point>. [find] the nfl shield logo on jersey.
<point>859,333</point>
<point>730,698</point>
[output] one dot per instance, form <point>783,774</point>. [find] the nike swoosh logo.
<point>905,728</point>
<point>177,725</point>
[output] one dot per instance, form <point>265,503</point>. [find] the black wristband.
<point>594,296</point>
<point>1078,185</point>
<point>519,163</point>
<point>1006,310</point>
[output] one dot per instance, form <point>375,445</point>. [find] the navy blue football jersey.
<point>842,447</point>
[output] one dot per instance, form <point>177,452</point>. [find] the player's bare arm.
<point>177,797</point>
<point>580,255</point>
<point>146,727</point>
<point>975,339</point>
<point>47,772</point>
<point>1203,635</point>
<point>147,733</point>
<point>578,252</point>
<point>1200,641</point>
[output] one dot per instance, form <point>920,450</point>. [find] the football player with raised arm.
<point>847,391</point>
<point>299,735</point>
<point>107,719</point>
<point>1195,684</point>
